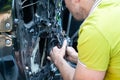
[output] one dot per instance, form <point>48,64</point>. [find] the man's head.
<point>79,8</point>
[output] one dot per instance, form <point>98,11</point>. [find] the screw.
<point>30,73</point>
<point>8,26</point>
<point>26,67</point>
<point>8,42</point>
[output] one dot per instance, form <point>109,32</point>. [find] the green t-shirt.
<point>99,39</point>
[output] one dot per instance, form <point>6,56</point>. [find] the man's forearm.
<point>65,69</point>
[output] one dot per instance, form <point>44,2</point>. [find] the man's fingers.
<point>64,45</point>
<point>70,50</point>
<point>48,57</point>
<point>63,49</point>
<point>55,48</point>
<point>58,51</point>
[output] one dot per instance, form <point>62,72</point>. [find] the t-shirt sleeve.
<point>93,49</point>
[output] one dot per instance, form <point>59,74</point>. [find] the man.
<point>98,46</point>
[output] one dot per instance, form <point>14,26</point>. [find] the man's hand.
<point>57,56</point>
<point>71,54</point>
<point>57,53</point>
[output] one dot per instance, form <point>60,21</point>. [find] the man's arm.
<point>83,73</point>
<point>68,73</point>
<point>80,73</point>
<point>65,69</point>
<point>57,56</point>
